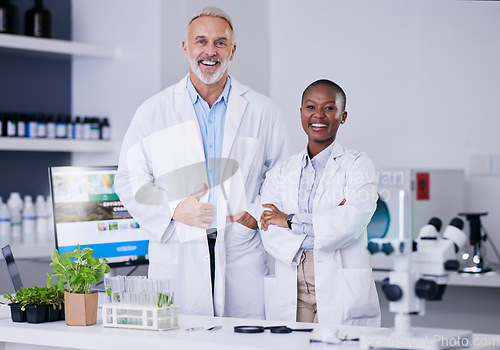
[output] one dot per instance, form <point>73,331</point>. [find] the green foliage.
<point>13,299</point>
<point>37,296</point>
<point>75,272</point>
<point>164,299</point>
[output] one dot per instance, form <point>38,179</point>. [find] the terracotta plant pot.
<point>80,309</point>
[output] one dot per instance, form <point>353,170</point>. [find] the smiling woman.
<point>322,112</point>
<point>314,225</point>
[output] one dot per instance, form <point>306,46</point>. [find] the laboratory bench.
<point>59,335</point>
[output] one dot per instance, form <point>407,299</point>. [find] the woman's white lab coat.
<point>345,289</point>
<point>162,161</point>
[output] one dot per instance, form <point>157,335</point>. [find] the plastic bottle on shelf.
<point>38,21</point>
<point>2,123</point>
<point>15,204</point>
<point>95,128</point>
<point>11,124</point>
<point>86,129</point>
<point>28,224</point>
<point>105,130</point>
<point>21,125</point>
<point>8,17</point>
<point>69,127</point>
<point>78,129</point>
<point>32,126</point>
<point>42,126</point>
<point>41,218</point>
<point>51,127</point>
<point>61,127</point>
<point>4,224</point>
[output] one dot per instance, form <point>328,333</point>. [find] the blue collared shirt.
<point>211,121</point>
<point>310,175</point>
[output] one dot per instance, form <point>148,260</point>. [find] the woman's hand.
<point>272,217</point>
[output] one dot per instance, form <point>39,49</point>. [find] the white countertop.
<point>57,334</point>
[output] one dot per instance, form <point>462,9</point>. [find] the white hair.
<point>211,11</point>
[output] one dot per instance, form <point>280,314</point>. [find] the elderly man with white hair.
<point>190,170</point>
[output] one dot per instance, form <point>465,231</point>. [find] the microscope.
<point>420,273</point>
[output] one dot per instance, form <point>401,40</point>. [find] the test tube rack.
<point>120,315</point>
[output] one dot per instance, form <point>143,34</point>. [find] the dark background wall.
<point>34,84</point>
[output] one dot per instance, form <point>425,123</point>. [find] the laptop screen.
<point>12,267</point>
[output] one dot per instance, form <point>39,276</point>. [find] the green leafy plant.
<point>30,296</point>
<point>13,298</point>
<point>55,298</point>
<point>77,271</point>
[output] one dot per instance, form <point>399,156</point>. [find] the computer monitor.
<point>88,212</point>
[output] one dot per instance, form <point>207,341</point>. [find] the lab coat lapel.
<point>294,178</point>
<point>236,106</point>
<point>235,109</point>
<point>185,111</point>
<point>328,174</point>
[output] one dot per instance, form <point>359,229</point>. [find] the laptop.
<point>12,267</point>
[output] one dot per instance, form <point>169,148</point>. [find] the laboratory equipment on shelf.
<point>475,240</point>
<point>420,274</point>
<point>139,302</point>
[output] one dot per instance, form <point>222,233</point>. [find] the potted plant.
<point>75,273</point>
<point>17,314</point>
<point>55,300</point>
<point>34,301</point>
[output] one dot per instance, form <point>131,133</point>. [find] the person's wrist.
<point>289,218</point>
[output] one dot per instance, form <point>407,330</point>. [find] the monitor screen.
<point>88,212</point>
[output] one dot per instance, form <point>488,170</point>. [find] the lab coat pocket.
<point>242,246</point>
<point>239,236</point>
<point>361,306</point>
<point>164,253</point>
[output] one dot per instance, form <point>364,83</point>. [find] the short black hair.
<point>325,82</point>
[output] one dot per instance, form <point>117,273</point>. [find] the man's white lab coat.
<point>162,161</point>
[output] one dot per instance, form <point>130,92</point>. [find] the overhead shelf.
<point>53,48</point>
<point>55,145</point>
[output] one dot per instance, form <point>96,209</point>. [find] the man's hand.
<point>272,217</point>
<point>244,219</point>
<point>192,212</point>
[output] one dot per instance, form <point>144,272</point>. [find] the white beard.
<point>205,77</point>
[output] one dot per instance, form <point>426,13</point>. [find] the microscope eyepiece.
<point>457,222</point>
<point>436,222</point>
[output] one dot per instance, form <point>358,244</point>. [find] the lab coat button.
<point>206,258</point>
<point>294,302</point>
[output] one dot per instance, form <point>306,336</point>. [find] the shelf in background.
<point>53,48</point>
<point>489,279</point>
<point>55,145</point>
